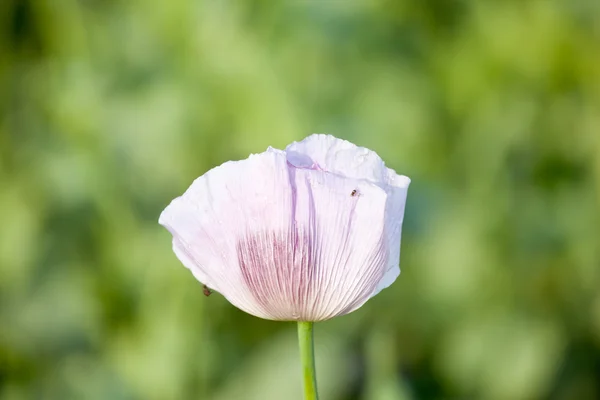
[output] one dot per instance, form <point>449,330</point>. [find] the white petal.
<point>328,153</point>
<point>219,208</point>
<point>345,219</point>
<point>332,256</point>
<point>394,212</point>
<point>293,236</point>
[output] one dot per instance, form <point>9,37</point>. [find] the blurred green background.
<point>109,109</point>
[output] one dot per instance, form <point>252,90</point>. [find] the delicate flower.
<point>304,234</point>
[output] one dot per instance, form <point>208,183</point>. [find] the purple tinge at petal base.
<point>306,234</point>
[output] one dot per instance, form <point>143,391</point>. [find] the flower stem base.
<point>307,357</point>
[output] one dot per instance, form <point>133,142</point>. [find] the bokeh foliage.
<point>110,108</point>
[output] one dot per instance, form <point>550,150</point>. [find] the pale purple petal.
<point>219,209</point>
<point>397,191</point>
<point>306,234</point>
<point>343,248</point>
<point>338,156</point>
<point>327,153</point>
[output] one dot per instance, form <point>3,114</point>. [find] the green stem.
<point>307,357</point>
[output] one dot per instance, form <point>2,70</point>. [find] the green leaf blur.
<point>110,108</point>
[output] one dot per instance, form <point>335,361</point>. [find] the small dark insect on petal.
<point>354,193</point>
<point>206,290</point>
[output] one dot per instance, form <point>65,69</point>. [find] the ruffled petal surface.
<point>328,153</point>
<point>308,234</point>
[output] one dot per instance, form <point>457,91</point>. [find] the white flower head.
<point>304,234</point>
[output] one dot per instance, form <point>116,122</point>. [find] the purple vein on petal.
<point>273,274</point>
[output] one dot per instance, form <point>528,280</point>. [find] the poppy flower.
<point>302,234</point>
